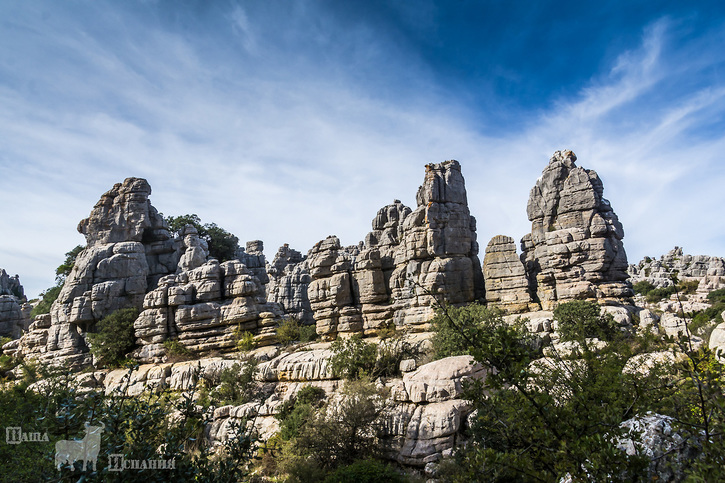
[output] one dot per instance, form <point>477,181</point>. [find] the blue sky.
<point>291,121</point>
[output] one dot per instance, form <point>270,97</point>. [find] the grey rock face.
<point>289,278</point>
<point>202,308</point>
<point>506,284</point>
<point>14,311</point>
<point>710,271</point>
<point>410,258</point>
<point>128,250</point>
<point>574,250</point>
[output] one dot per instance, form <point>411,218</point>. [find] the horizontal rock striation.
<point>14,311</point>
<point>574,250</point>
<point>709,271</point>
<point>506,284</point>
<point>410,260</point>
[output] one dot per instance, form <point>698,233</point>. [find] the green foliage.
<point>46,301</point>
<point>176,350</point>
<point>114,337</point>
<point>308,333</point>
<point>244,340</point>
<point>232,385</point>
<point>222,244</point>
<point>339,433</point>
<point>712,314</point>
<point>579,320</point>
<point>365,471</point>
<point>139,427</point>
<point>296,411</point>
<point>65,268</point>
<point>288,331</point>
<point>643,287</point>
<point>456,327</point>
<point>50,295</point>
<point>352,357</point>
<point>572,409</point>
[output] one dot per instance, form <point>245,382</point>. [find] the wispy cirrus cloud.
<point>290,127</point>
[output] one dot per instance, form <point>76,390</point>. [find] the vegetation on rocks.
<point>113,337</point>
<point>574,405</point>
<point>222,244</point>
<point>48,296</point>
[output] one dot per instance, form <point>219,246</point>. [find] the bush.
<point>580,320</point>
<point>288,331</point>
<point>352,357</point>
<point>114,337</point>
<point>176,350</point>
<point>46,301</point>
<point>643,287</point>
<point>143,427</point>
<point>233,385</point>
<point>244,340</point>
<point>308,333</point>
<point>455,328</point>
<point>365,471</point>
<point>222,244</point>
<point>342,430</point>
<point>296,411</point>
<point>62,272</point>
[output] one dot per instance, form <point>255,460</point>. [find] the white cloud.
<point>291,156</point>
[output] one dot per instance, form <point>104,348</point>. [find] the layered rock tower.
<point>409,259</point>
<point>574,250</point>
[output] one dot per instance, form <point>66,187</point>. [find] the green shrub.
<point>455,328</point>
<point>657,294</point>
<point>65,268</point>
<point>222,244</point>
<point>580,320</point>
<point>643,287</point>
<point>233,385</point>
<point>288,331</point>
<point>343,430</point>
<point>46,301</point>
<point>244,340</point>
<point>308,333</point>
<point>296,411</point>
<point>365,471</point>
<point>352,357</point>
<point>176,349</point>
<point>143,427</point>
<point>114,337</point>
<point>688,286</point>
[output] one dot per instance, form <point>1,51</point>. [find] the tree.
<point>222,244</point>
<point>539,419</point>
<point>114,337</point>
<point>65,268</point>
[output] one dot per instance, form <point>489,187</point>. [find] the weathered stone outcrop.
<point>253,258</point>
<point>289,278</point>
<point>14,311</point>
<point>709,271</point>
<point>410,258</point>
<point>203,308</point>
<point>506,284</point>
<point>574,250</point>
<point>330,291</point>
<point>128,249</point>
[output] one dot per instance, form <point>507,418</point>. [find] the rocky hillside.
<point>413,259</point>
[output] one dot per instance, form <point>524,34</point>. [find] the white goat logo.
<point>86,449</point>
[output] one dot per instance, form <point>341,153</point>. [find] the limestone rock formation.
<point>253,258</point>
<point>710,271</point>
<point>506,284</point>
<point>128,249</point>
<point>574,250</point>
<point>14,311</point>
<point>289,278</point>
<point>410,258</point>
<point>203,308</point>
